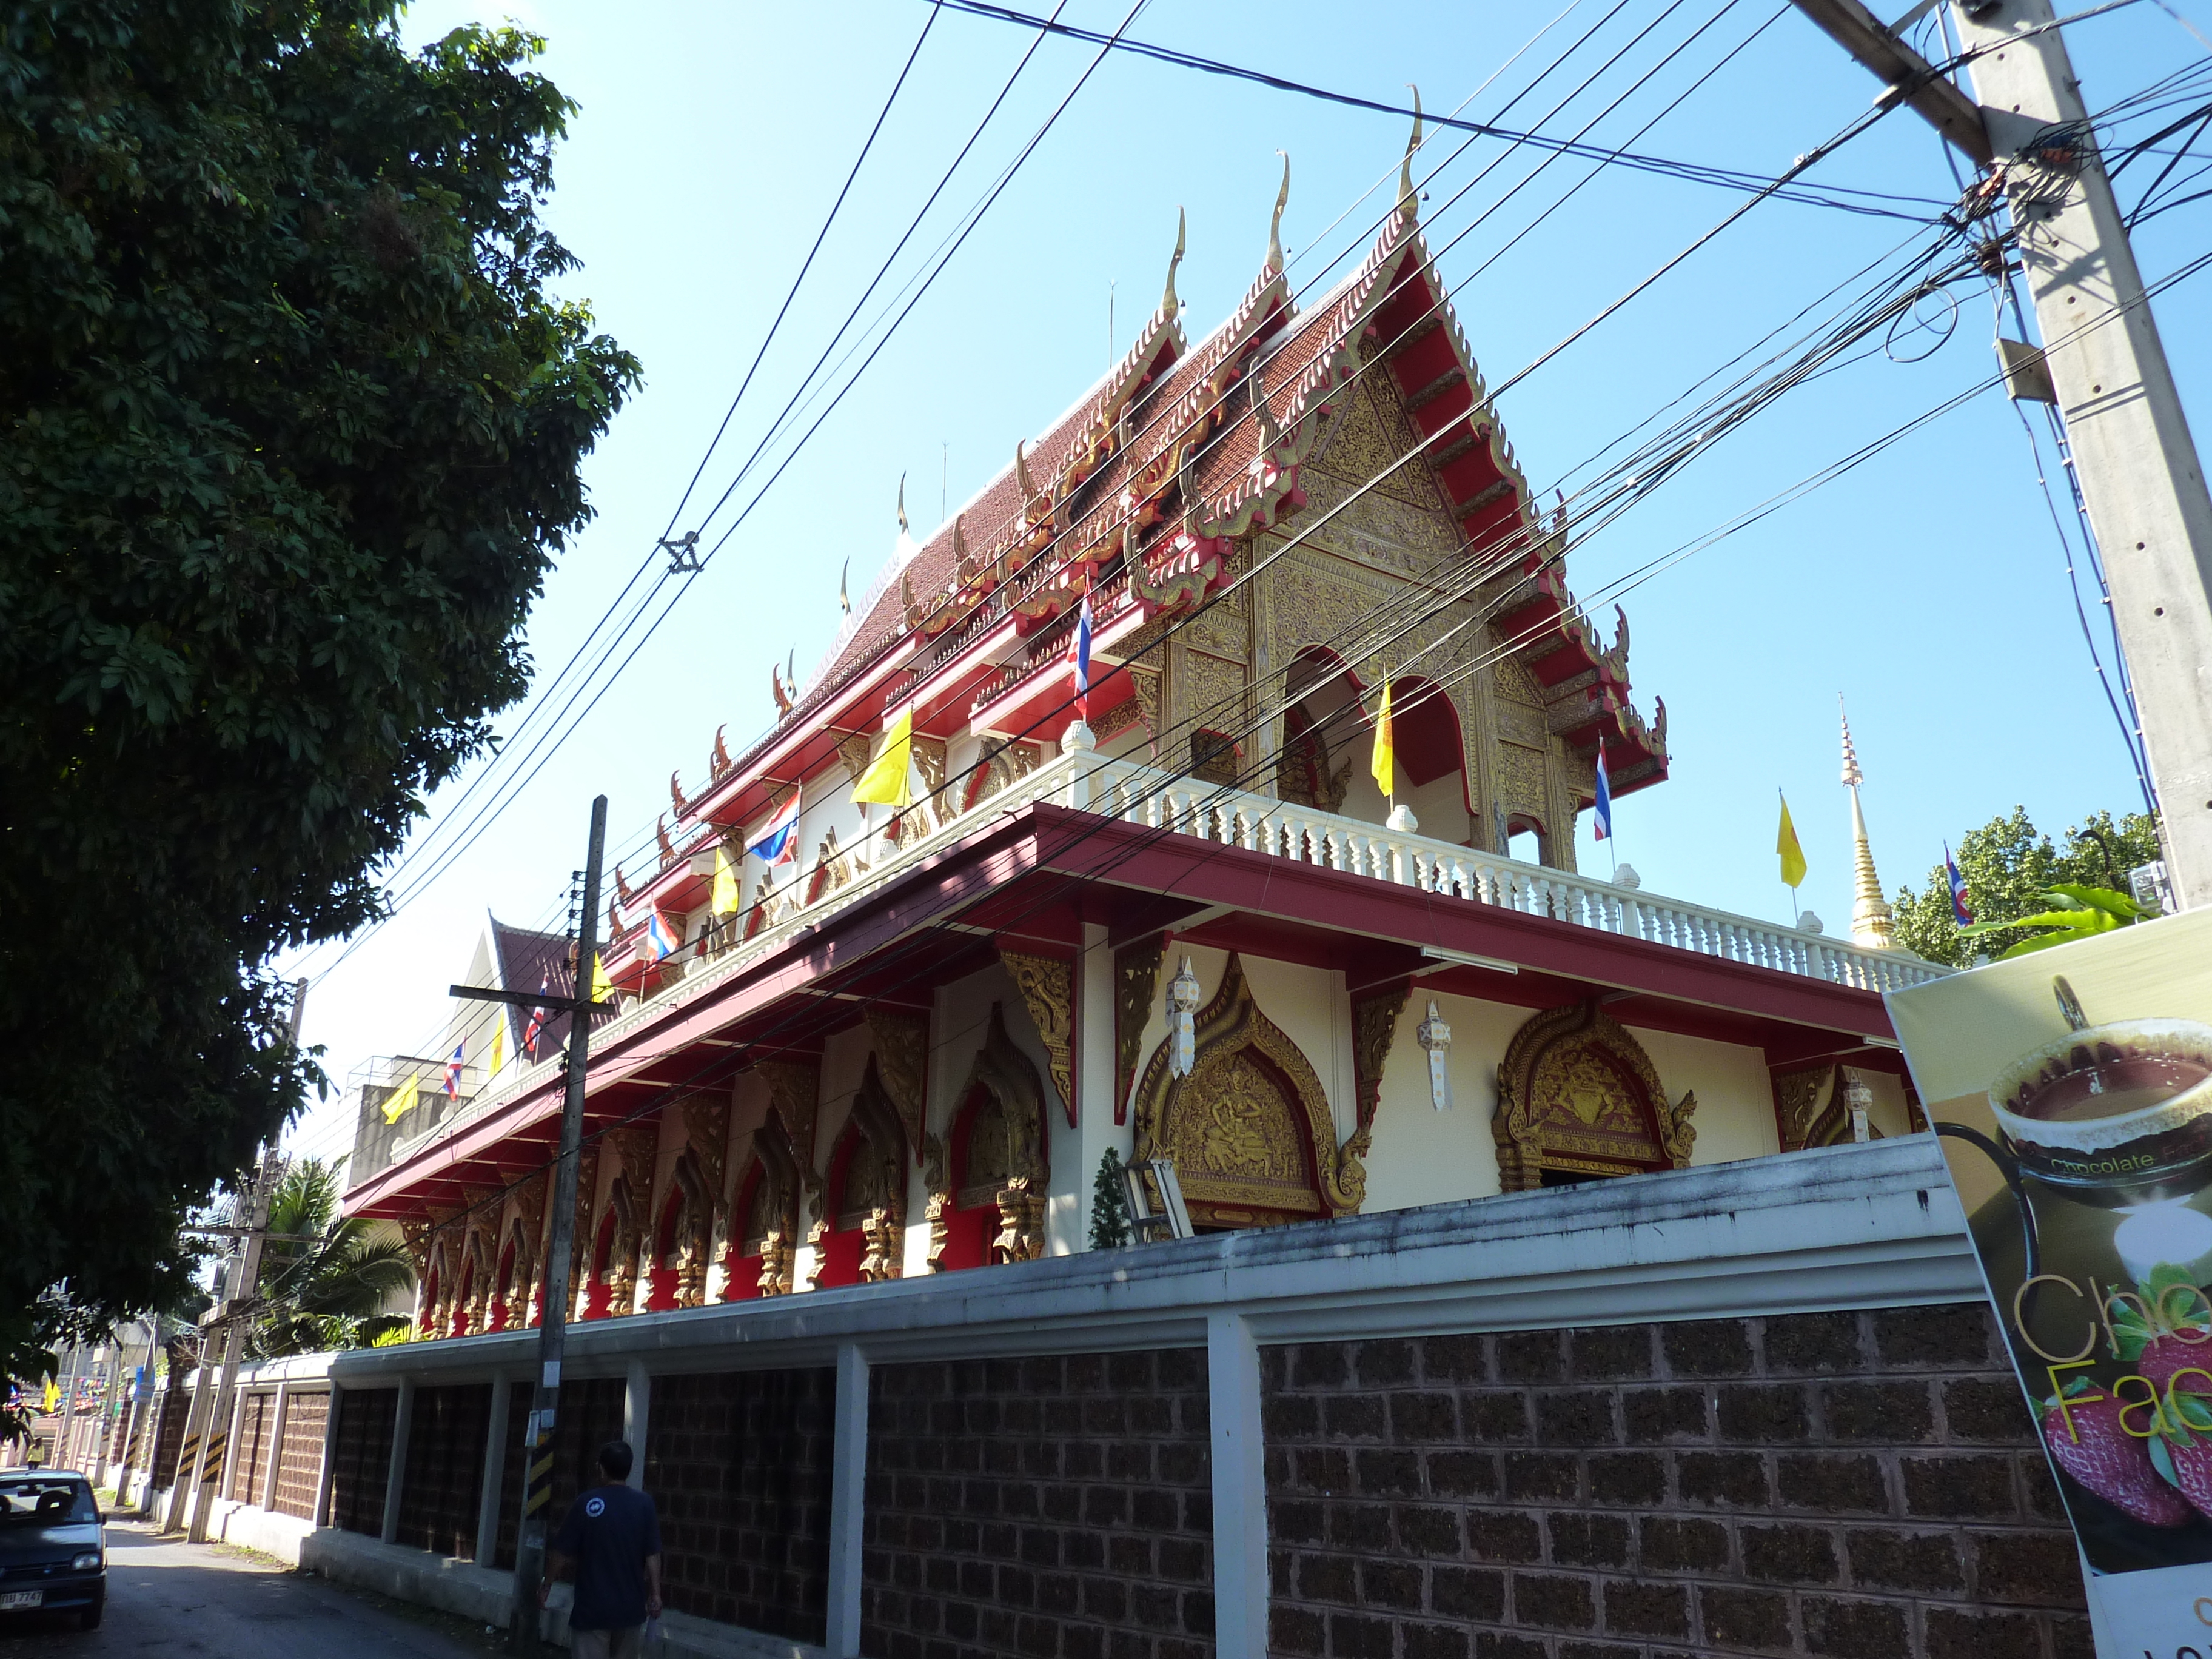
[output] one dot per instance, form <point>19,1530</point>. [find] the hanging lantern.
<point>1434,1038</point>
<point>1183,998</point>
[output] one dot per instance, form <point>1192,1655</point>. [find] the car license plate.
<point>22,1599</point>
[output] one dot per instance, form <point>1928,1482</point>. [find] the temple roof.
<point>1138,490</point>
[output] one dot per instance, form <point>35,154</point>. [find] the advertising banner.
<point>2072,1091</point>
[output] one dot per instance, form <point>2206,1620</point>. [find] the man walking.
<point>612,1537</point>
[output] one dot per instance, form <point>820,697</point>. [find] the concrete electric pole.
<point>215,1432</point>
<point>553,1321</point>
<point>2133,455</point>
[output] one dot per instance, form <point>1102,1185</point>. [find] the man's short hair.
<point>614,1459</point>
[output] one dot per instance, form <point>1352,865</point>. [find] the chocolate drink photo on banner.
<point>2071,1090</point>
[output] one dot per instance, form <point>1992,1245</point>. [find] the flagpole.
<point>1795,913</point>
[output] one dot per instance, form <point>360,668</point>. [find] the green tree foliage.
<point>329,1293</point>
<point>292,430</point>
<point>1109,1204</point>
<point>2011,869</point>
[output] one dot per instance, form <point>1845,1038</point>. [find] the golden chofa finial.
<point>905,529</point>
<point>1408,201</point>
<point>1021,473</point>
<point>1169,303</point>
<point>1275,224</point>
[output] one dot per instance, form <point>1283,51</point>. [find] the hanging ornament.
<point>1183,997</point>
<point>1434,1038</point>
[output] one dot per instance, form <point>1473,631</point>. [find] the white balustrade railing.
<point>1176,803</point>
<point>1145,795</point>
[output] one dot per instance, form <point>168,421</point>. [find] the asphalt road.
<point>168,1597</point>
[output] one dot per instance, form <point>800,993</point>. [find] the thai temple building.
<point>908,1050</point>
<point>1437,1105</point>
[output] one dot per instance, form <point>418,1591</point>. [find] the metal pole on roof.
<point>552,1328</point>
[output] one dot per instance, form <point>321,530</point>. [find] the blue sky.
<point>1927,587</point>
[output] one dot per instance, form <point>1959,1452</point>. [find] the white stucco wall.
<point>1422,1156</point>
<point>1735,1101</point>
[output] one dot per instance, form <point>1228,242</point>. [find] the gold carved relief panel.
<point>1578,1096</point>
<point>1250,1129</point>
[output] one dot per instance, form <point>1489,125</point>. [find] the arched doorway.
<point>682,1240</point>
<point>861,1236</point>
<point>1250,1129</point>
<point>611,1285</point>
<point>512,1282</point>
<point>1314,765</point>
<point>1431,758</point>
<point>765,1222</point>
<point>987,1204</point>
<point>433,1286</point>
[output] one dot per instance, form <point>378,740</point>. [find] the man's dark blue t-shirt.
<point>608,1533</point>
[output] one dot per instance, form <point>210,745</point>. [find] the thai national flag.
<point>454,1071</point>
<point>779,842</point>
<point>657,941</point>
<point>1604,812</point>
<point>1960,908</point>
<point>536,1029</point>
<point>1078,652</point>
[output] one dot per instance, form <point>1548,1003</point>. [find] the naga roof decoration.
<point>1138,493</point>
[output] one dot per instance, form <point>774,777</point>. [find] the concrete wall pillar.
<point>330,1458</point>
<point>1240,1488</point>
<point>637,1417</point>
<point>273,1438</point>
<point>848,1473</point>
<point>395,1481</point>
<point>495,1472</point>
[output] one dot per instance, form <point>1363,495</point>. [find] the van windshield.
<point>45,1502</point>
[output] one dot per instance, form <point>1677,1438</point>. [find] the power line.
<point>1692,172</point>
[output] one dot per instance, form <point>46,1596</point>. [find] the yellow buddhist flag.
<point>724,901</point>
<point>53,1396</point>
<point>1786,842</point>
<point>402,1100</point>
<point>884,782</point>
<point>602,988</point>
<point>498,1044</point>
<point>1384,762</point>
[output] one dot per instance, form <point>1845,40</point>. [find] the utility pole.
<point>2133,455</point>
<point>60,1453</point>
<point>215,1434</point>
<point>106,1434</point>
<point>134,1415</point>
<point>552,1327</point>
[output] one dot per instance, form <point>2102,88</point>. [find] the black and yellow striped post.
<point>552,1328</point>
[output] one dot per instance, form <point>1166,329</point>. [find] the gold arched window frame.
<point>1527,1102</point>
<point>1227,1026</point>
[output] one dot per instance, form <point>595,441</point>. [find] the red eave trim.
<point>1109,852</point>
<point>1131,856</point>
<point>1000,854</point>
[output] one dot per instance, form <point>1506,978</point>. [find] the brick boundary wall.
<point>175,1404</point>
<point>361,1461</point>
<point>589,1415</point>
<point>249,1460</point>
<point>442,1486</point>
<point>1856,1485</point>
<point>739,1463</point>
<point>299,1454</point>
<point>1058,1507</point>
